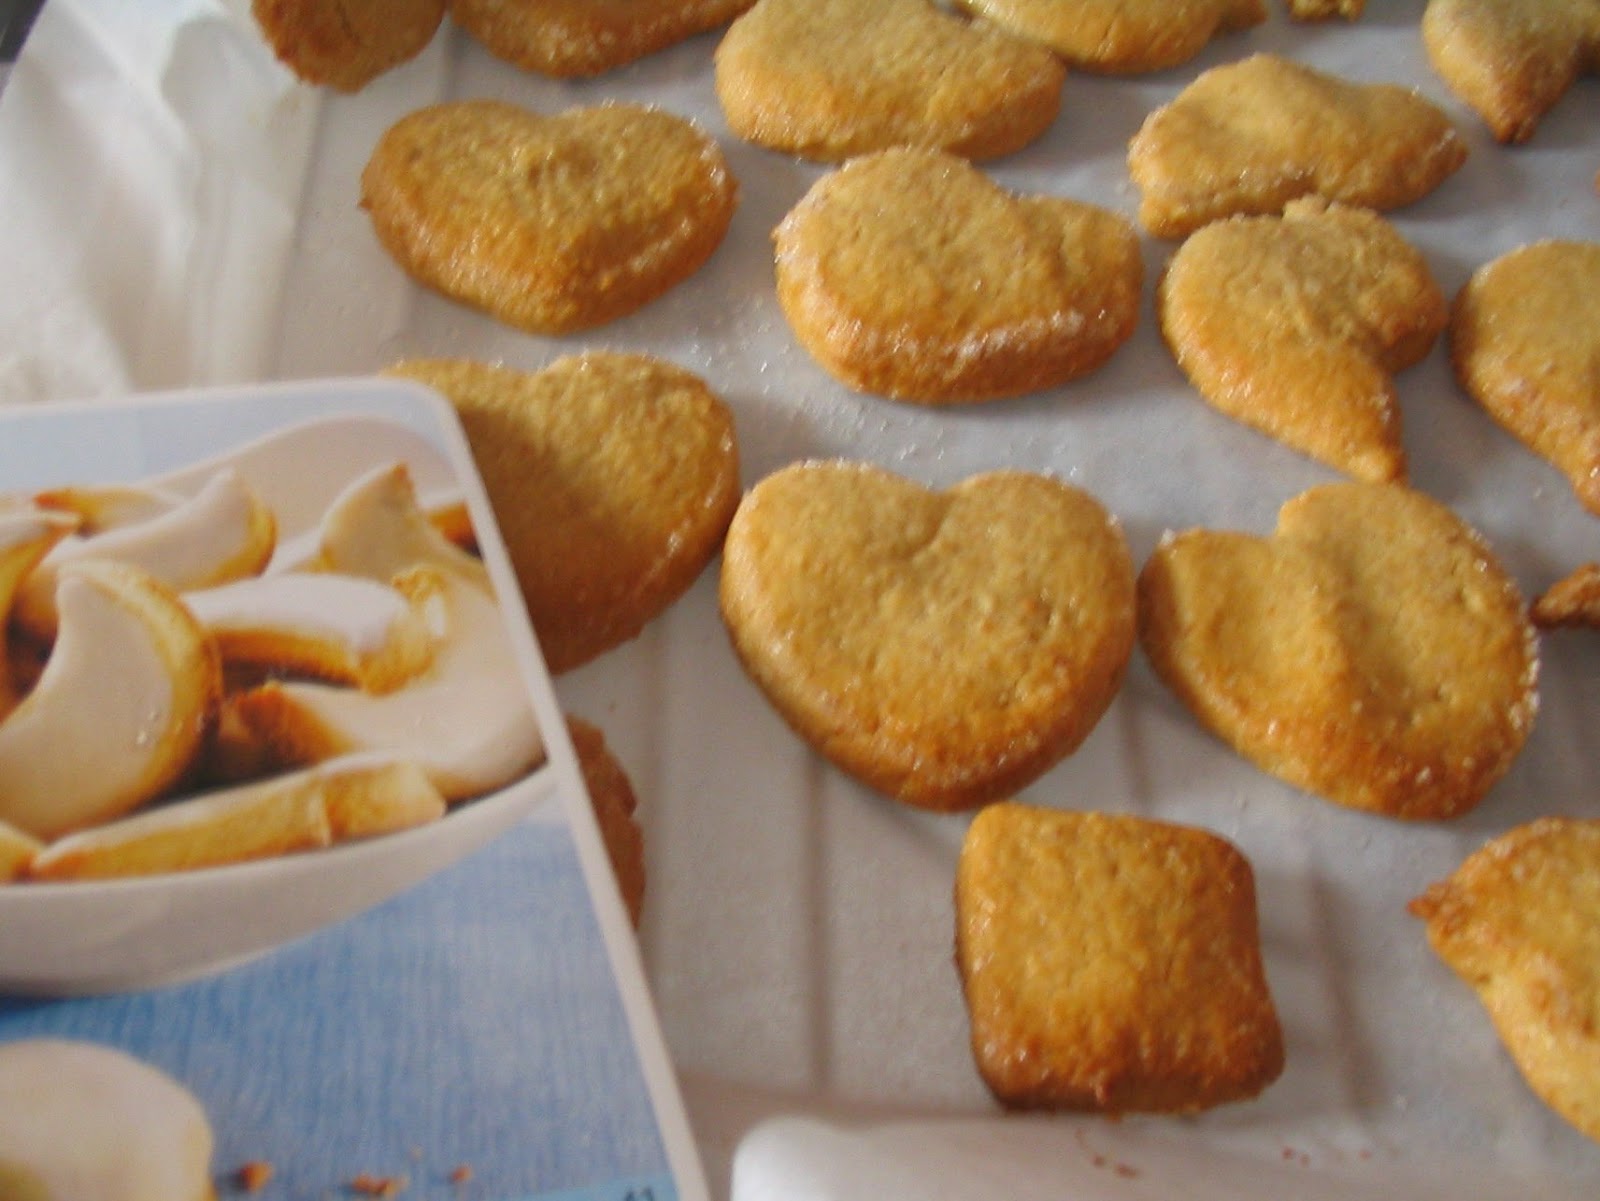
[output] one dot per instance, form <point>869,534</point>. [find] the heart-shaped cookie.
<point>946,648</point>
<point>1371,651</point>
<point>909,274</point>
<point>568,38</point>
<point>1121,37</point>
<point>828,79</point>
<point>1250,136</point>
<point>1295,326</point>
<point>1522,352</point>
<point>549,223</point>
<point>612,478</point>
<point>346,44</point>
<point>1511,60</point>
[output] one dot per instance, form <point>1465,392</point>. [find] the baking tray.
<point>798,928</point>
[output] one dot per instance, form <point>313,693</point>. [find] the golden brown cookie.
<point>1295,325</point>
<point>615,809</point>
<point>1111,963</point>
<point>1371,651</point>
<point>613,478</point>
<point>1519,921</point>
<point>1326,10</point>
<point>1512,60</point>
<point>946,648</point>
<point>568,38</point>
<point>1573,600</point>
<point>1121,36</point>
<point>1251,136</point>
<point>347,43</point>
<point>550,224</point>
<point>1520,353</point>
<point>828,79</point>
<point>910,274</point>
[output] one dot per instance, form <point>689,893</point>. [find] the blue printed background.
<point>473,1020</point>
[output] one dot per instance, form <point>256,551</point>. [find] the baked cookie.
<point>946,648</point>
<point>1573,600</point>
<point>568,38</point>
<point>1520,354</point>
<point>1111,963</point>
<point>1371,651</point>
<point>299,811</point>
<point>1512,60</point>
<point>550,224</point>
<point>829,79</point>
<point>1251,136</point>
<point>1326,10</point>
<point>1121,37</point>
<point>83,1120</point>
<point>909,274</point>
<point>615,809</point>
<point>1295,325</point>
<point>65,766</point>
<point>1519,921</point>
<point>613,478</point>
<point>346,44</point>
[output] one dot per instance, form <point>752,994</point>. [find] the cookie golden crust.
<point>571,38</point>
<point>1326,10</point>
<point>1121,36</point>
<point>612,478</point>
<point>1371,651</point>
<point>909,274</point>
<point>1520,354</point>
<point>1111,963</point>
<point>550,224</point>
<point>1573,600</point>
<point>1251,136</point>
<point>1512,60</point>
<point>1519,921</point>
<point>615,809</point>
<point>346,44</point>
<point>1296,325</point>
<point>946,648</point>
<point>830,79</point>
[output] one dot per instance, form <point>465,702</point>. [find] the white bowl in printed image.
<point>357,476</point>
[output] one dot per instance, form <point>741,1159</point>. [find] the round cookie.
<point>567,38</point>
<point>84,1122</point>
<point>1371,650</point>
<point>946,648</point>
<point>550,224</point>
<point>830,79</point>
<point>612,478</point>
<point>346,44</point>
<point>1519,352</point>
<point>909,274</point>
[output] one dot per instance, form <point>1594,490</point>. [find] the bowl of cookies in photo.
<point>246,699</point>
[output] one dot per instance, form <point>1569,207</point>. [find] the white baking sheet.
<point>174,211</point>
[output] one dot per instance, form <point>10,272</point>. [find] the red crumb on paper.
<point>378,1186</point>
<point>254,1176</point>
<point>1126,1170</point>
<point>461,1174</point>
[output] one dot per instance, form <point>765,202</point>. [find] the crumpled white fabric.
<point>144,227</point>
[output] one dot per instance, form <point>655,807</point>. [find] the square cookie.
<point>1111,963</point>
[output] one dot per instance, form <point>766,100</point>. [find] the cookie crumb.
<point>254,1176</point>
<point>368,1185</point>
<point>461,1174</point>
